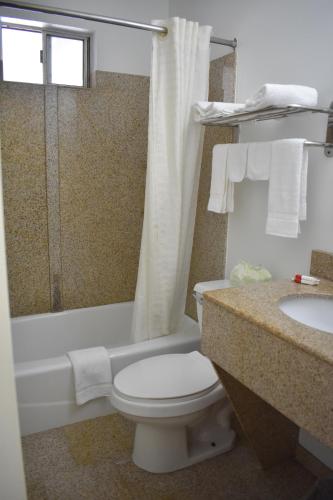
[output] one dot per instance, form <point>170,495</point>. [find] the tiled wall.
<point>74,176</point>
<point>102,164</point>
<point>74,164</point>
<point>210,234</point>
<point>23,166</point>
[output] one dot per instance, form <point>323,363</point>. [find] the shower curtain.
<point>179,77</point>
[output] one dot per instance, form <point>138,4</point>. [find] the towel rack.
<point>273,113</point>
<point>327,145</point>
<point>269,113</point>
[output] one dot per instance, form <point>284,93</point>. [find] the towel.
<point>92,373</point>
<point>202,110</point>
<point>287,188</point>
<point>236,161</point>
<point>258,161</point>
<point>273,94</point>
<point>304,186</point>
<point>221,198</point>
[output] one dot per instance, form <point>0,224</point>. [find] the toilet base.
<point>201,451</point>
<point>166,448</point>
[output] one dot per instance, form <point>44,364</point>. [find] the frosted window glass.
<point>66,61</point>
<point>21,56</point>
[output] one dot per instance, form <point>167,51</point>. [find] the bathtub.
<point>44,377</point>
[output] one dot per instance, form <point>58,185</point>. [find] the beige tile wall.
<point>103,144</point>
<point>23,166</point>
<point>84,252</point>
<point>210,234</point>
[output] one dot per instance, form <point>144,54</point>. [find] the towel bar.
<point>275,112</point>
<point>328,146</point>
<point>269,113</point>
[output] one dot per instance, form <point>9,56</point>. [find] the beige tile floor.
<point>92,460</point>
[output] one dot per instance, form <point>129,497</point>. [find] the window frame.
<point>47,33</point>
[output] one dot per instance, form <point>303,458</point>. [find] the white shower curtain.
<point>179,77</point>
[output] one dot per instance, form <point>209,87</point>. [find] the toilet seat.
<point>169,385</point>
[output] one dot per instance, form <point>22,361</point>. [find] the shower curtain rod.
<point>103,19</point>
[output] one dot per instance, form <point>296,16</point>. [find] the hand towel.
<point>236,161</point>
<point>221,198</point>
<point>273,94</point>
<point>287,188</point>
<point>205,109</point>
<point>92,373</point>
<point>258,161</point>
<point>304,186</point>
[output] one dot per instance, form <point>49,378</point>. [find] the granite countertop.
<point>258,303</point>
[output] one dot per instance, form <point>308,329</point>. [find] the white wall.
<point>12,486</point>
<point>115,48</point>
<point>284,42</point>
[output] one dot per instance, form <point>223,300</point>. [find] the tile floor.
<point>91,460</point>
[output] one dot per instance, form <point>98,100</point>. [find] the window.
<point>66,65</point>
<point>21,50</point>
<point>38,55</point>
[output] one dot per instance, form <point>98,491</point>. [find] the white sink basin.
<point>314,311</point>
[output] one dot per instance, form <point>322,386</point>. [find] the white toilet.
<point>179,406</point>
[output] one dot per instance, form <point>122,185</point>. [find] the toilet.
<point>178,404</point>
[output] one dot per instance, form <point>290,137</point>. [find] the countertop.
<point>258,303</point>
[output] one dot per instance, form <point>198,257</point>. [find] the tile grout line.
<point>53,193</point>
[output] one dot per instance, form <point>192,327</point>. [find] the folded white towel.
<point>221,198</point>
<point>205,109</point>
<point>258,161</point>
<point>287,188</point>
<point>92,373</point>
<point>273,94</point>
<point>236,161</point>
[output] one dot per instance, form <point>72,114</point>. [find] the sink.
<point>315,311</point>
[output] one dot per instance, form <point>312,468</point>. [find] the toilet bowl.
<point>179,406</point>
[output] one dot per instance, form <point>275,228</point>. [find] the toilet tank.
<point>207,286</point>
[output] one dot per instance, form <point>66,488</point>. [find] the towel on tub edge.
<point>92,373</point>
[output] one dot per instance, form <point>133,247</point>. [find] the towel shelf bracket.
<point>273,113</point>
<point>328,149</point>
<point>329,133</point>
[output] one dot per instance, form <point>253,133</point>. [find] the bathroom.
<point>74,164</point>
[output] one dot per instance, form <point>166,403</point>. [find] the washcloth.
<point>258,161</point>
<point>221,198</point>
<point>274,94</point>
<point>92,373</point>
<point>287,188</point>
<point>236,161</point>
<point>205,109</point>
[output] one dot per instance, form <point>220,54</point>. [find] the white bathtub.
<point>44,378</point>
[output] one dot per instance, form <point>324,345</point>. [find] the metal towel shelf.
<point>273,113</point>
<point>269,113</point>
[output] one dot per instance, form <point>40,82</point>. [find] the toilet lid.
<point>167,376</point>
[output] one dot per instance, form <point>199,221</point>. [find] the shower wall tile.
<point>74,165</point>
<point>222,78</point>
<point>53,204</point>
<point>122,83</point>
<point>23,166</point>
<point>102,161</point>
<point>228,76</point>
<point>210,233</point>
